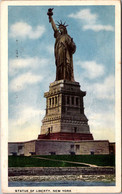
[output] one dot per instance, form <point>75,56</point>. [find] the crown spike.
<point>61,24</point>
<point>58,23</point>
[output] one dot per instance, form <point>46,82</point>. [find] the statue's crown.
<point>60,24</point>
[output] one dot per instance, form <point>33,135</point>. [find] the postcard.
<point>61,96</point>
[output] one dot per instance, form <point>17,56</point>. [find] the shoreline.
<point>88,178</point>
<point>58,171</point>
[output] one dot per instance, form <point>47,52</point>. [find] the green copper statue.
<point>64,50</point>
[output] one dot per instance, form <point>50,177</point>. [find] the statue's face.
<point>61,29</point>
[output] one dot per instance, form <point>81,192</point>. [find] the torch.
<point>50,13</point>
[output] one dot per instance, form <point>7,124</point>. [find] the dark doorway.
<point>52,153</point>
<point>92,152</point>
<point>72,153</point>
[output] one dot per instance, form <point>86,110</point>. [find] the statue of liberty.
<point>64,50</point>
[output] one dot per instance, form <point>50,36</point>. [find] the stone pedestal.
<point>65,118</point>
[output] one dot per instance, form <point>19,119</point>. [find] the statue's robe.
<point>64,50</point>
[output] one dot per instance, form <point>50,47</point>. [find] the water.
<point>58,183</point>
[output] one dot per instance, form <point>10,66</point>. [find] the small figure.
<point>64,50</point>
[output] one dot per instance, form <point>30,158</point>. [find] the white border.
<point>4,95</point>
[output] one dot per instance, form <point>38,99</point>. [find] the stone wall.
<point>47,147</point>
<point>29,148</point>
<point>59,147</point>
<point>40,171</point>
<point>92,147</point>
<point>21,148</point>
<point>112,148</point>
<point>16,148</point>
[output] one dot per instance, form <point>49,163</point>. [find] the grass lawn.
<point>100,160</point>
<point>28,161</point>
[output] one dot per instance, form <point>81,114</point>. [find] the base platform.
<point>66,136</point>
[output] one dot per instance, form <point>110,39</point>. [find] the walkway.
<point>90,165</point>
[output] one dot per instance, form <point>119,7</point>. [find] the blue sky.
<point>32,65</point>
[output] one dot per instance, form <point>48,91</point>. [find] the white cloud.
<point>105,90</point>
<point>103,132</point>
<point>50,49</point>
<point>26,125</point>
<point>90,21</point>
<point>91,69</point>
<point>85,15</point>
<point>102,89</point>
<point>102,124</point>
<point>29,62</point>
<point>24,30</point>
<point>25,115</point>
<point>98,28</point>
<point>21,82</point>
<point>31,132</point>
<point>104,119</point>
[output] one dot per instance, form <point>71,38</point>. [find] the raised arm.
<point>50,13</point>
<point>53,23</point>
